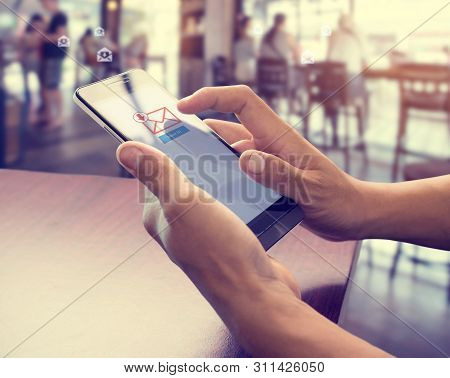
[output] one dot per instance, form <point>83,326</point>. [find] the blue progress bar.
<point>172,134</point>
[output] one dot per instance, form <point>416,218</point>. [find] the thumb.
<point>155,170</point>
<point>275,173</point>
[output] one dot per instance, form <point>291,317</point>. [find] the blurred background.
<point>367,82</point>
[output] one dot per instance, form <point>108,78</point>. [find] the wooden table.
<point>382,73</point>
<point>399,73</point>
<point>81,276</point>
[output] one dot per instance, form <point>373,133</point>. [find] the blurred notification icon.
<point>325,31</point>
<point>140,117</point>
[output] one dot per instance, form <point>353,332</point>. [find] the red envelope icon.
<point>160,120</point>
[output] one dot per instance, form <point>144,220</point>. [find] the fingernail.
<point>255,163</point>
<point>128,157</point>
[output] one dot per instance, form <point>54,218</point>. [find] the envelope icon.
<point>104,55</point>
<point>160,120</point>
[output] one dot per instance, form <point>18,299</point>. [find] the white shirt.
<point>245,59</point>
<point>346,47</point>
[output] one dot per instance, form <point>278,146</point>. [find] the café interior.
<point>392,125</point>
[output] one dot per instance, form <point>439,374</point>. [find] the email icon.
<point>104,55</point>
<point>160,120</point>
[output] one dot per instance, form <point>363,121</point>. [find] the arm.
<point>256,311</point>
<point>336,205</point>
<point>415,212</point>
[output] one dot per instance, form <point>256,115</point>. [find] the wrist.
<point>264,312</point>
<point>376,206</point>
<point>359,211</point>
<point>227,280</point>
<point>243,298</point>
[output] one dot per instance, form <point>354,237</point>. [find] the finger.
<point>156,171</point>
<point>231,132</point>
<point>275,173</point>
<point>244,145</point>
<point>253,112</point>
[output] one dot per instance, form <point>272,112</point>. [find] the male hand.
<point>256,297</point>
<point>217,251</point>
<point>276,155</point>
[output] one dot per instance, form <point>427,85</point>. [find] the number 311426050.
<point>288,367</point>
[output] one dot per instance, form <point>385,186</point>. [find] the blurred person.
<point>88,47</point>
<point>87,53</point>
<point>101,70</point>
<point>346,46</point>
<point>257,297</point>
<point>244,53</point>
<point>30,45</point>
<point>52,61</point>
<point>136,52</point>
<point>278,43</point>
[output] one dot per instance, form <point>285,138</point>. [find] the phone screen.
<point>148,113</point>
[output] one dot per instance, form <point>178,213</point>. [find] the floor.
<point>410,303</point>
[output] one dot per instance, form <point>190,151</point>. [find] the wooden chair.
<point>272,80</point>
<point>328,85</point>
<point>222,70</point>
<point>424,87</point>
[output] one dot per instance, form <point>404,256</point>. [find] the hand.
<point>276,155</point>
<point>256,297</point>
<point>222,256</point>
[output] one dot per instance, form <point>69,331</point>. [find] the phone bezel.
<point>269,226</point>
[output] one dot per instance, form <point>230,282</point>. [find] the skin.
<point>247,288</point>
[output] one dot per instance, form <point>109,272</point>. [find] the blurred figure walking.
<point>245,53</point>
<point>30,48</point>
<point>52,60</point>
<point>278,43</point>
<point>30,45</point>
<point>88,48</point>
<point>346,46</point>
<point>103,68</point>
<point>279,52</point>
<point>87,53</point>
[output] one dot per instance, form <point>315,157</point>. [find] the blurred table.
<point>383,73</point>
<point>80,275</point>
<point>410,73</point>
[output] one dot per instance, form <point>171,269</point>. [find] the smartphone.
<point>133,106</point>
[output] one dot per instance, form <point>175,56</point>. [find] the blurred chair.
<point>432,168</point>
<point>222,71</point>
<point>423,87</point>
<point>272,80</point>
<point>328,85</point>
